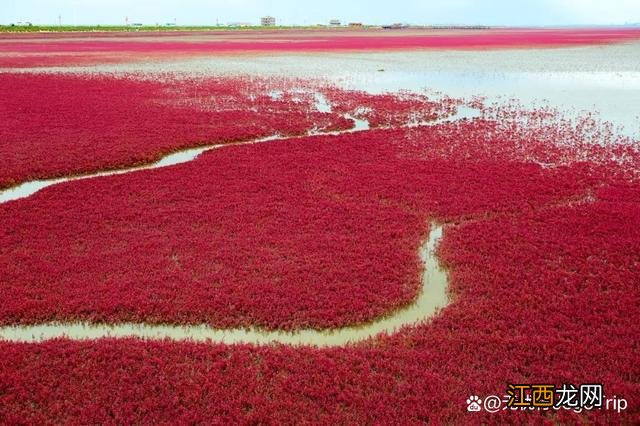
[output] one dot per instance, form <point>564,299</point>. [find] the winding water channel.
<point>431,297</point>
<point>29,188</point>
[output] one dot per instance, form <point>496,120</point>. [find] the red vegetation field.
<point>54,49</point>
<point>320,231</point>
<point>542,244</point>
<point>56,125</point>
<point>389,110</point>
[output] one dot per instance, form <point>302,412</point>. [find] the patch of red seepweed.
<point>314,232</point>
<point>543,263</point>
<point>390,109</point>
<point>85,50</point>
<point>258,225</point>
<point>56,125</point>
<point>546,296</point>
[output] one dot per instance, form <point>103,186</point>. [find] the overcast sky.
<point>486,12</point>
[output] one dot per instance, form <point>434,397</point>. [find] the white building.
<point>268,21</point>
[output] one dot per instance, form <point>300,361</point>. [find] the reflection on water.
<point>615,96</point>
<point>360,124</point>
<point>431,298</point>
<point>322,103</point>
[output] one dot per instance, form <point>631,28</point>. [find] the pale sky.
<point>206,12</point>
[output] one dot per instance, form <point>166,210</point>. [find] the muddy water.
<point>431,298</point>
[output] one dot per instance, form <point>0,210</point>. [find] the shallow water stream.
<point>183,156</point>
<point>431,298</point>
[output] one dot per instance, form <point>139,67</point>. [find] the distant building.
<point>335,22</point>
<point>396,26</point>
<point>268,21</point>
<point>355,25</point>
<point>136,24</point>
<point>239,24</point>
